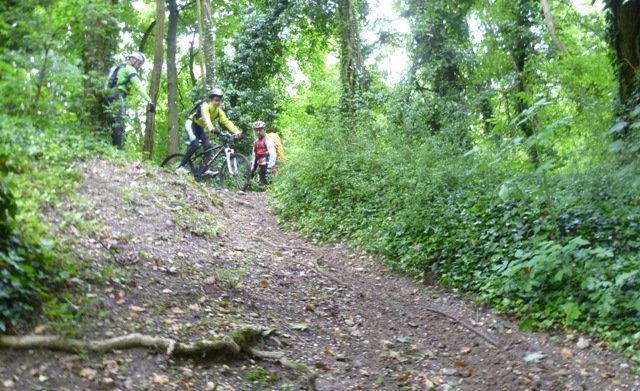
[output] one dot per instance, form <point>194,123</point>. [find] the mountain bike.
<point>225,168</point>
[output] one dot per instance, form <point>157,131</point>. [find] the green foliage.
<point>40,99</point>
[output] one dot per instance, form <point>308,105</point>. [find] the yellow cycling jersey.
<point>207,113</point>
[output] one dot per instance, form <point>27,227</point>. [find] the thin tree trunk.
<point>551,26</point>
<point>192,55</point>
<point>522,51</point>
<point>350,56</point>
<point>155,78</point>
<point>172,78</point>
<point>209,44</point>
<point>98,48</point>
<point>42,75</point>
<point>203,69</point>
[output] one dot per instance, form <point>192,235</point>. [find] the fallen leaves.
<point>534,357</point>
<point>137,309</point>
<point>41,329</point>
<point>88,373</point>
<point>583,343</point>
<point>160,379</point>
<point>300,326</point>
<point>566,353</point>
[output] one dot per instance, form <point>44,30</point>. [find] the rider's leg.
<point>190,127</point>
<point>263,174</point>
<point>206,144</point>
<point>117,112</point>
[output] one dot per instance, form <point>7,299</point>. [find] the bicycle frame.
<point>220,148</point>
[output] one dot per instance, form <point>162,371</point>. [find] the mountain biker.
<point>203,116</point>
<point>264,152</point>
<point>122,77</point>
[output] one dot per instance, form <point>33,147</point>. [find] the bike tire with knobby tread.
<point>173,161</point>
<point>239,180</point>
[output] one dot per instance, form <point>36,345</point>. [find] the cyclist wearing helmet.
<point>264,152</point>
<point>122,78</point>
<point>202,116</point>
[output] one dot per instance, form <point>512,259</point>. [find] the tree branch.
<point>548,19</point>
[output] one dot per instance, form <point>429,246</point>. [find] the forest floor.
<point>165,256</point>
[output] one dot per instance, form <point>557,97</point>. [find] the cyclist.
<point>203,116</point>
<point>122,77</point>
<point>264,153</point>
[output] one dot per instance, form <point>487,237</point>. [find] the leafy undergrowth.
<point>37,169</point>
<point>558,249</point>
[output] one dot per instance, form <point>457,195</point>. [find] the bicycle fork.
<point>231,166</point>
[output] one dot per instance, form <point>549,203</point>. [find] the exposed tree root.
<point>466,325</point>
<point>205,348</point>
<point>242,341</point>
<point>287,363</point>
<point>322,273</point>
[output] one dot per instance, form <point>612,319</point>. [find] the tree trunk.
<point>201,39</point>
<point>192,56</point>
<point>155,78</point>
<point>172,78</point>
<point>351,65</point>
<point>209,44</point>
<point>98,48</point>
<point>626,25</point>
<point>551,26</point>
<point>42,76</point>
<point>522,49</point>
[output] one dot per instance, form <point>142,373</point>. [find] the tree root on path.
<point>287,363</point>
<point>242,341</point>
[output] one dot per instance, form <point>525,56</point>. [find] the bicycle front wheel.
<point>236,179</point>
<point>172,162</point>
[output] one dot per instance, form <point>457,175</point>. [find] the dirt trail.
<point>170,258</point>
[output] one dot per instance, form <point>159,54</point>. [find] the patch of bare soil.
<point>167,257</point>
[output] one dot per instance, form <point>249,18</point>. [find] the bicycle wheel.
<point>238,178</point>
<point>172,162</point>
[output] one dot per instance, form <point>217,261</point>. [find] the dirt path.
<point>172,259</point>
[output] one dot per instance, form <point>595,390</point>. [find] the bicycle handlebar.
<point>224,135</point>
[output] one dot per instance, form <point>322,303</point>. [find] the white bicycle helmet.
<point>259,124</point>
<point>138,56</point>
<point>216,92</point>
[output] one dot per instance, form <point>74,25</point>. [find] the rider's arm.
<point>206,115</point>
<point>271,147</point>
<point>226,123</point>
<point>253,158</point>
<point>137,85</point>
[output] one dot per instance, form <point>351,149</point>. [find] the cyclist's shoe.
<point>210,173</point>
<point>181,170</point>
